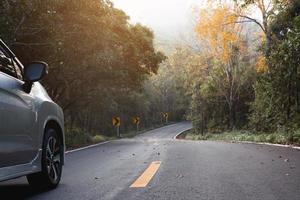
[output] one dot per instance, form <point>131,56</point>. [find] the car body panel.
<point>23,119</point>
<point>18,136</point>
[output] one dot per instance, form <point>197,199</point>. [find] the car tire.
<point>52,155</point>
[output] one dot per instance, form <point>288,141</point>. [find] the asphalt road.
<point>188,170</point>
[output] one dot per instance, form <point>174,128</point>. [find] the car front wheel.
<point>52,156</point>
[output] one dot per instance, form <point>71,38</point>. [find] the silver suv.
<point>31,124</point>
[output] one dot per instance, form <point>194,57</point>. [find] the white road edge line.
<point>269,144</point>
<point>87,147</point>
<point>247,142</point>
<point>101,143</point>
<point>175,137</point>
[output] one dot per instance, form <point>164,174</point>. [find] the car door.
<point>17,118</point>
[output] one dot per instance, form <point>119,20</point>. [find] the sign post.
<point>136,121</point>
<point>167,117</point>
<point>116,122</point>
<point>164,118</point>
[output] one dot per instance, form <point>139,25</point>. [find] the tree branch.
<point>255,21</point>
<point>20,24</point>
<point>29,44</point>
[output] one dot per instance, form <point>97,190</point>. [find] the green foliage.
<point>165,90</point>
<point>295,137</point>
<point>197,137</point>
<point>277,91</point>
<point>237,136</point>
<point>218,90</point>
<point>77,137</point>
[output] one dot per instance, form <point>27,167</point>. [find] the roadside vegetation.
<point>77,138</point>
<point>240,136</point>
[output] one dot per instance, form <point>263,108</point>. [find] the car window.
<point>1,52</point>
<point>8,66</point>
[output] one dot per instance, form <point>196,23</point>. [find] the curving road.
<point>187,170</point>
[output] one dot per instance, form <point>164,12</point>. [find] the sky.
<point>172,21</point>
<point>169,19</point>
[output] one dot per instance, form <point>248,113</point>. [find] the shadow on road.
<point>19,191</point>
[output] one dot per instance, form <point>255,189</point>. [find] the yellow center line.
<point>146,177</point>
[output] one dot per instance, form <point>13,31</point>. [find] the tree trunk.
<point>232,116</point>
<point>202,123</point>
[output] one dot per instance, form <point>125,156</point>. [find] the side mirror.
<point>33,72</point>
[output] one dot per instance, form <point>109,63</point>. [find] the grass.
<point>99,138</point>
<point>77,138</point>
<point>236,136</point>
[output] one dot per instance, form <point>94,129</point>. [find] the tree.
<point>267,9</point>
<point>277,90</point>
<point>168,87</point>
<point>221,34</point>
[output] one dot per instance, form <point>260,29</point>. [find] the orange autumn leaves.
<point>261,64</point>
<point>219,32</point>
